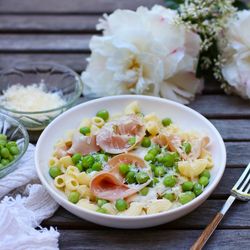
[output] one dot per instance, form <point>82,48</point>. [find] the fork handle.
<point>201,241</point>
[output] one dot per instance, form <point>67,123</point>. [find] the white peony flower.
<point>236,69</point>
<point>143,52</point>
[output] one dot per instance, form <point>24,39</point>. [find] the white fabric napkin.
<point>25,205</point>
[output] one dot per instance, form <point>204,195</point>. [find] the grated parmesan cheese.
<point>30,98</point>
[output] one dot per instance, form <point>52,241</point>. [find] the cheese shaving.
<point>30,98</point>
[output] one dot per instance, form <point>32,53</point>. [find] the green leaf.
<point>240,5</point>
<point>173,4</point>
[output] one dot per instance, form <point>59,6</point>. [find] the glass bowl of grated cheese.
<point>36,92</point>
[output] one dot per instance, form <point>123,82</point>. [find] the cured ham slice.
<point>128,159</point>
<point>110,185</point>
<point>113,137</point>
<point>83,144</point>
<point>197,146</point>
<point>107,186</point>
<point>174,143</point>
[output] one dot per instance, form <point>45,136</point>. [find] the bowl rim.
<point>26,140</point>
<point>68,104</point>
<point>202,197</point>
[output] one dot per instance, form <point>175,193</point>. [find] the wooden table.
<point>59,31</point>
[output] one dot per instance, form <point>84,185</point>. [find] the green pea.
<point>146,142</point>
<point>169,160</point>
<point>14,150</point>
<point>166,122</point>
<point>176,156</point>
<point>159,171</point>
<point>186,197</point>
<point>169,196</point>
<point>197,189</point>
<point>88,161</point>
<point>1,166</point>
<point>5,153</point>
<point>104,114</point>
<point>101,157</point>
<point>11,158</point>
<point>187,147</point>
<point>124,168</point>
<point>169,181</point>
<point>144,191</point>
<point>10,144</point>
<point>74,197</point>
<point>153,182</point>
<point>2,143</point>
<point>152,167</point>
<point>141,177</point>
<point>101,202</point>
<point>205,173</point>
<point>121,205</point>
<point>85,130</point>
<point>3,137</point>
<point>203,180</point>
<point>154,151</point>
<point>5,162</point>
<point>76,158</point>
<point>187,186</point>
<point>97,166</point>
<point>131,140</point>
<point>54,172</point>
<point>89,170</point>
<point>149,157</point>
<point>79,166</point>
<point>160,158</point>
<point>102,210</point>
<point>130,177</point>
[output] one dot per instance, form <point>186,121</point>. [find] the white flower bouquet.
<point>161,51</point>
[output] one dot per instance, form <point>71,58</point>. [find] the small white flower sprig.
<point>207,18</point>
<point>225,47</point>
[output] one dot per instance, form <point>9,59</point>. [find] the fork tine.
<point>245,182</point>
<point>242,177</point>
<point>248,188</point>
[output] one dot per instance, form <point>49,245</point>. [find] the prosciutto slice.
<point>110,185</point>
<point>83,144</point>
<point>107,186</point>
<point>113,136</point>
<point>174,143</point>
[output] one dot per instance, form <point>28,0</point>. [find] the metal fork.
<point>240,191</point>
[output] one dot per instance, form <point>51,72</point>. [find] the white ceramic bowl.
<point>185,117</point>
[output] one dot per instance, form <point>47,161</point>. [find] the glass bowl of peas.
<point>14,141</point>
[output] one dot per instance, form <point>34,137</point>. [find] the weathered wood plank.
<point>238,153</point>
<point>43,43</point>
<point>233,129</point>
<point>73,6</point>
<point>150,239</point>
<point>195,220</point>
<point>48,23</point>
<point>75,61</point>
<point>222,106</point>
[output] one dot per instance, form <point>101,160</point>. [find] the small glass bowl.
<point>15,131</point>
<point>55,78</point>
